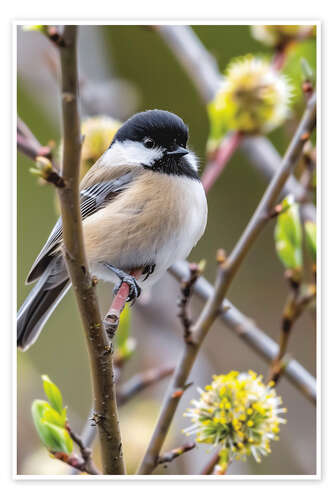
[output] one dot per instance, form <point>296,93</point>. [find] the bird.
<point>143,207</point>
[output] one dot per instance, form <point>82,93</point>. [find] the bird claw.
<point>134,289</point>
<point>148,270</point>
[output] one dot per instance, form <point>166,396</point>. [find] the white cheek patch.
<point>131,153</point>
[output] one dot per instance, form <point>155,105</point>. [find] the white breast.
<point>158,220</point>
<point>192,204</point>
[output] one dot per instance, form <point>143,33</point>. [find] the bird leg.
<point>127,290</point>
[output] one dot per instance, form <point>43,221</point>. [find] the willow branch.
<point>223,154</point>
<point>263,155</point>
<point>203,71</point>
<point>78,464</point>
<point>100,358</point>
<point>87,464</point>
<point>209,467</point>
<point>247,331</point>
<point>125,393</point>
<point>184,301</point>
<point>169,456</point>
<point>225,275</point>
<point>295,305</point>
<point>28,145</point>
<point>141,381</point>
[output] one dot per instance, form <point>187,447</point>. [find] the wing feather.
<point>93,198</point>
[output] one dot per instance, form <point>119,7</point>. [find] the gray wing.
<point>92,199</point>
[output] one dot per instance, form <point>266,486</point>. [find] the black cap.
<point>163,127</point>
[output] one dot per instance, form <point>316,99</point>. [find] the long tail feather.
<point>36,309</point>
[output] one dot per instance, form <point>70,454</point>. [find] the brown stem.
<point>186,292</point>
<point>169,456</point>
<point>221,157</point>
<point>28,145</point>
<point>141,381</point>
<point>209,467</point>
<point>125,393</point>
<point>105,406</point>
<point>280,56</point>
<point>74,462</point>
<point>249,333</point>
<point>295,305</point>
<point>225,275</point>
<point>309,161</point>
<point>88,464</point>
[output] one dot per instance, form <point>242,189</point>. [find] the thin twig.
<point>184,301</point>
<point>225,275</point>
<point>141,381</point>
<point>74,462</point>
<point>223,154</point>
<point>295,305</point>
<point>280,55</point>
<point>24,131</point>
<point>169,456</point>
<point>263,155</point>
<point>28,145</point>
<point>86,452</point>
<point>125,393</point>
<point>309,165</point>
<point>247,331</point>
<point>209,467</point>
<point>100,360</point>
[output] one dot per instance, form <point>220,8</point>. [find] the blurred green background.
<point>126,69</point>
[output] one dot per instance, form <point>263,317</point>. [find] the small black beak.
<point>179,151</point>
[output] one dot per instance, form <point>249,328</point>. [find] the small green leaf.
<point>53,417</point>
<point>58,439</point>
<point>311,238</point>
<point>125,344</point>
<point>288,235</point>
<point>54,437</point>
<point>53,394</point>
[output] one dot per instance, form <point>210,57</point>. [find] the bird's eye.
<point>148,143</point>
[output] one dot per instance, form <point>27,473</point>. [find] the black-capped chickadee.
<point>143,207</point>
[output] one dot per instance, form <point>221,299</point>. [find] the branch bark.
<point>223,154</point>
<point>169,456</point>
<point>296,304</point>
<point>225,275</point>
<point>100,357</point>
<point>125,393</point>
<point>250,334</point>
<point>87,464</point>
<point>75,462</point>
